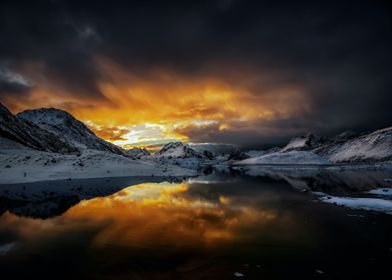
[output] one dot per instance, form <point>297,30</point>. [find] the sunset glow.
<point>209,139</point>
<point>165,106</point>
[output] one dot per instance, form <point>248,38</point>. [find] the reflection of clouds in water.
<point>160,213</point>
<point>6,248</point>
<point>155,215</point>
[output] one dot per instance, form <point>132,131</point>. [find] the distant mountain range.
<point>55,130</point>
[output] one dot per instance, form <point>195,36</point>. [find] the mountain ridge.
<point>31,135</point>
<point>63,124</point>
<point>55,130</point>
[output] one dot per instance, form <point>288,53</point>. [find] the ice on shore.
<point>365,203</point>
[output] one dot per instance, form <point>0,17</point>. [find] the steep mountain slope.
<point>347,147</point>
<point>368,148</point>
<point>30,134</point>
<point>69,128</point>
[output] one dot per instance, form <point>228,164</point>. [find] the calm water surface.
<point>218,226</point>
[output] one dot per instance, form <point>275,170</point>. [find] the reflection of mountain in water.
<point>331,180</point>
<point>49,199</point>
<point>44,209</point>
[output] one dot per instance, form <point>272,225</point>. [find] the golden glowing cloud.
<point>161,105</point>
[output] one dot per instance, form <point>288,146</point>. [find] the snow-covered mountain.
<point>64,125</point>
<point>347,147</point>
<point>178,150</point>
<point>367,148</point>
<point>54,130</point>
<point>137,153</point>
<point>30,134</point>
<point>182,154</point>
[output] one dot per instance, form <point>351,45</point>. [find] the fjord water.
<point>255,224</point>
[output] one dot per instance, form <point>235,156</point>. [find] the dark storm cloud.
<point>42,32</point>
<point>12,83</point>
<point>266,135</point>
<point>336,51</point>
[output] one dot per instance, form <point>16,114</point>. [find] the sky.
<point>249,73</point>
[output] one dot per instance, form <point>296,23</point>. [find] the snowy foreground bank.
<point>27,165</point>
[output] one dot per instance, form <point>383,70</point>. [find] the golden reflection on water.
<point>150,215</point>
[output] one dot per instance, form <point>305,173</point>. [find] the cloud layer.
<point>243,72</point>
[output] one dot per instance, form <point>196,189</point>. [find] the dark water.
<point>266,226</point>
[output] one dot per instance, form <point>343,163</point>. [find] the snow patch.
<point>382,191</point>
<point>370,204</point>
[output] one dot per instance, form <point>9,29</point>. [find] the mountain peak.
<point>63,124</point>
<point>52,116</point>
<point>29,134</point>
<point>178,150</point>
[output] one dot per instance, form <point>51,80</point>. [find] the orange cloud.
<point>171,101</point>
<point>110,133</point>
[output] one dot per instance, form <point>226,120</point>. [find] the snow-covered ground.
<point>382,191</point>
<point>365,203</point>
<point>293,157</point>
<point>28,165</point>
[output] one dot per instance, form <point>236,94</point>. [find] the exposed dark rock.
<point>237,155</point>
